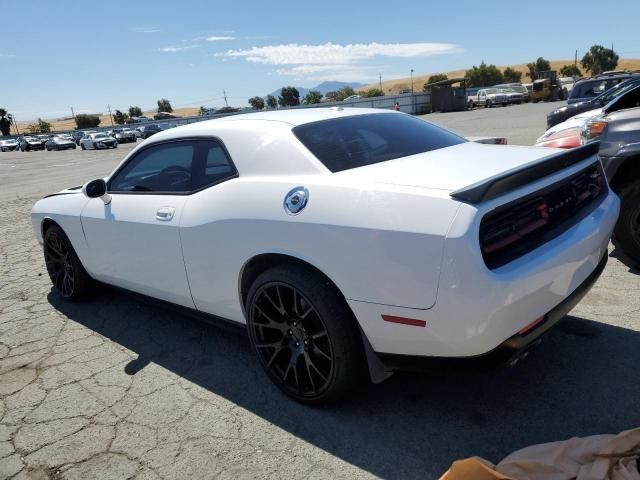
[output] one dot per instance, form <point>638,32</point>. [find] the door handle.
<point>165,213</point>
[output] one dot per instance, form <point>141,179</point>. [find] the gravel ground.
<point>117,388</point>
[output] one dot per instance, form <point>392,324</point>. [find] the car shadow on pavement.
<point>582,379</point>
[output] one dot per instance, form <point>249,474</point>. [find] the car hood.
<point>577,121</point>
<point>449,168</point>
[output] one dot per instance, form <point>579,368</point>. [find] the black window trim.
<point>213,138</point>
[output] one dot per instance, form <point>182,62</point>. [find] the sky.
<point>59,54</point>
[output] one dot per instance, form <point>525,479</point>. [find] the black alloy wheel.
<point>291,339</point>
<point>65,270</point>
<point>304,335</point>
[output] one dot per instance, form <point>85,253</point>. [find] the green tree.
<point>483,76</point>
<point>511,76</point>
<point>540,65</point>
<point>599,59</point>
<point>271,101</point>
<point>340,94</point>
<point>345,92</point>
<point>5,122</point>
<point>135,111</point>
<point>373,92</point>
<point>40,126</point>
<point>331,96</point>
<point>570,71</point>
<point>164,105</point>
<point>289,97</point>
<point>87,121</point>
<point>257,103</point>
<point>438,77</point>
<point>203,110</point>
<point>312,97</point>
<point>119,117</point>
<point>43,126</point>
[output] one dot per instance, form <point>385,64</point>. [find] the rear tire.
<point>68,276</point>
<point>627,230</point>
<point>304,334</point>
<point>82,146</point>
<point>488,104</point>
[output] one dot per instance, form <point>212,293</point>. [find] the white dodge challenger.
<point>348,241</point>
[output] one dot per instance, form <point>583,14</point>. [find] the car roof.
<point>301,116</point>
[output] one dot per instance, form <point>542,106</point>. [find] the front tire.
<point>68,276</point>
<point>304,334</point>
<point>627,230</point>
<point>82,146</point>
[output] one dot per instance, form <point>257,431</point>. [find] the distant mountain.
<point>323,88</point>
<point>326,87</point>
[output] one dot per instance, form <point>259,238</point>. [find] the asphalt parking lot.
<point>118,388</point>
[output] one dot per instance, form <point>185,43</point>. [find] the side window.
<point>213,165</point>
<point>163,168</point>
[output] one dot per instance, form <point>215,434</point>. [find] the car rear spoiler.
<point>510,180</point>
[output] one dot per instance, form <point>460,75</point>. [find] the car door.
<point>134,240</point>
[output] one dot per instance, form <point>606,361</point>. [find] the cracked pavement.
<point>119,388</point>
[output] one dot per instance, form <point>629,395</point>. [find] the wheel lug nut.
<point>306,342</point>
<point>295,324</point>
<point>297,344</point>
<point>290,332</point>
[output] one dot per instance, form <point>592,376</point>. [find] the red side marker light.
<point>404,321</point>
<point>532,325</point>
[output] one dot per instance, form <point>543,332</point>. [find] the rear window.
<point>359,140</point>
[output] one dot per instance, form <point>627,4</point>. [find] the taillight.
<point>514,224</point>
<point>512,230</point>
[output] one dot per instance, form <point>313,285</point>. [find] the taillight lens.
<point>516,228</point>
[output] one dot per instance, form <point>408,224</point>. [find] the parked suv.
<point>619,136</point>
<point>563,113</point>
<point>594,86</point>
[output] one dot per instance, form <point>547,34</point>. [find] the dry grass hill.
<point>60,124</point>
<point>394,86</point>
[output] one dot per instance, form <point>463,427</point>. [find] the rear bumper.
<point>478,309</point>
<point>509,350</point>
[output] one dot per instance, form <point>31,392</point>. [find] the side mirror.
<point>97,189</point>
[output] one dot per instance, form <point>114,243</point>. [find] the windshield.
<point>492,90</point>
<point>100,135</point>
<point>616,91</point>
<point>359,140</point>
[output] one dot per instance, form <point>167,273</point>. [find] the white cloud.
<point>177,49</point>
<point>336,54</point>
<point>331,61</point>
<point>145,29</point>
<point>215,38</point>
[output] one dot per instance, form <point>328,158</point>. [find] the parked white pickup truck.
<point>487,97</point>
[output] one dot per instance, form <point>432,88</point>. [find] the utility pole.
<point>224,92</point>
<point>73,114</point>
<point>109,108</point>
<point>575,59</point>
<point>380,80</point>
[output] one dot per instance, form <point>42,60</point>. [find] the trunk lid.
<point>450,168</point>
